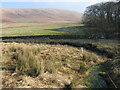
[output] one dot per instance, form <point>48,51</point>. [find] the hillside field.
<point>65,29</point>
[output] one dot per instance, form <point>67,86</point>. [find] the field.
<point>46,63</point>
<point>61,66</point>
<point>58,56</point>
<point>42,30</point>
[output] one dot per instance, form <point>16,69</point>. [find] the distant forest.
<point>105,17</point>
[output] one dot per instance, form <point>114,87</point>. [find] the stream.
<point>95,80</point>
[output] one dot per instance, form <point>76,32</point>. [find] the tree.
<point>105,16</point>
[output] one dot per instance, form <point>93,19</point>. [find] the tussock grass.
<point>83,68</point>
<point>35,59</point>
<point>74,83</point>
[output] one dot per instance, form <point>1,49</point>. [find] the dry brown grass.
<point>38,59</point>
<point>113,48</point>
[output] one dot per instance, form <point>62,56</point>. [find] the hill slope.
<point>32,15</point>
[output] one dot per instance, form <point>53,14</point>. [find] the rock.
<point>13,74</point>
<point>102,73</point>
<point>19,80</point>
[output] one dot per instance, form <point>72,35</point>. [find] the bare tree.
<point>105,16</point>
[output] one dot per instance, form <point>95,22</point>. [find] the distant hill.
<point>34,15</point>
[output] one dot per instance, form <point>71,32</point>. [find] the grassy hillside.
<point>24,17</point>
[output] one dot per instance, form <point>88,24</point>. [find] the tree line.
<point>105,16</point>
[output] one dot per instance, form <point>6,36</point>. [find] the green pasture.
<point>69,29</point>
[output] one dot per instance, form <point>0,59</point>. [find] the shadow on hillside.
<point>72,32</point>
<point>65,29</point>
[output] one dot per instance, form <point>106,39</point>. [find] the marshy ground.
<point>57,66</point>
<point>59,56</point>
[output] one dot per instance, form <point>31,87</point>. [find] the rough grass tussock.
<point>36,59</point>
<point>43,60</point>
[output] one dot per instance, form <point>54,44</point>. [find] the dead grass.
<point>113,48</point>
<point>37,59</point>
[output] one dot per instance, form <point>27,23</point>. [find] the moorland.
<point>52,48</point>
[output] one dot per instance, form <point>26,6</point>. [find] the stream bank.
<point>95,79</point>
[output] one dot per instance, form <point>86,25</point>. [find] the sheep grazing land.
<point>59,48</point>
<point>42,65</point>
